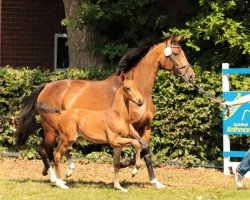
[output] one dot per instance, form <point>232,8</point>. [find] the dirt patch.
<point>172,176</point>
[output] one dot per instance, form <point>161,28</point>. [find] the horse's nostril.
<point>191,78</point>
<point>140,102</point>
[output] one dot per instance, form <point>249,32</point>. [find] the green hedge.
<point>187,127</point>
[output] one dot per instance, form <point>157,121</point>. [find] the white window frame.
<point>56,36</point>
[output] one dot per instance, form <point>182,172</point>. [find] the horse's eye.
<point>127,89</point>
<point>176,54</point>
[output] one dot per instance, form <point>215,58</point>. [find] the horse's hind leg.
<point>47,146</point>
<point>47,165</point>
<point>45,159</point>
<point>58,153</point>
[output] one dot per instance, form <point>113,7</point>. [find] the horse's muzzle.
<point>140,102</point>
<point>191,78</point>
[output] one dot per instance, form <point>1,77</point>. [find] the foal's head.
<point>130,91</point>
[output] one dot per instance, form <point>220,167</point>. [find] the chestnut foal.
<point>110,126</point>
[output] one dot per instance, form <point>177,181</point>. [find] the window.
<point>61,56</point>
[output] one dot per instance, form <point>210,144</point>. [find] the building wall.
<point>27,31</point>
<point>0,30</point>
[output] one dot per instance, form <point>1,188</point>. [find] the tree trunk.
<point>79,54</point>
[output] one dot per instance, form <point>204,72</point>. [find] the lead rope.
<point>212,97</point>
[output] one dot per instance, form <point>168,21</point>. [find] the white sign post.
<point>236,123</point>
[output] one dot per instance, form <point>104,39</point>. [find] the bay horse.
<point>146,61</point>
<point>110,126</point>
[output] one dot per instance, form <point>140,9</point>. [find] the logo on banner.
<point>239,119</point>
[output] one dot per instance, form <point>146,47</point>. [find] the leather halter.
<point>178,68</point>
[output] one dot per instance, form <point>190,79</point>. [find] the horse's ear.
<point>132,75</point>
<point>176,38</point>
<point>122,77</point>
<point>173,38</point>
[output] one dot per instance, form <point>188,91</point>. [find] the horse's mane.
<point>132,57</point>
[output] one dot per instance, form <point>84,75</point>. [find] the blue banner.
<point>236,71</point>
<point>238,122</point>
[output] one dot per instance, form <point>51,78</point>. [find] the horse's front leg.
<point>147,158</point>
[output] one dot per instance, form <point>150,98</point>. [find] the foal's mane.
<point>132,57</point>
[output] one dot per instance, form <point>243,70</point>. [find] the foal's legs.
<point>147,158</point>
<point>58,153</point>
<point>135,135</point>
<point>67,136</point>
<point>72,165</point>
<point>117,144</point>
<point>117,157</point>
<point>144,147</point>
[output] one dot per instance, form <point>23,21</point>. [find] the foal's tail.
<point>27,121</point>
<point>41,106</point>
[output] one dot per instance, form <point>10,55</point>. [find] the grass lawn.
<point>22,179</point>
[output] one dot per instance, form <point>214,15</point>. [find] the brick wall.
<point>27,31</point>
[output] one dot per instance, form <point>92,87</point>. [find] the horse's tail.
<point>41,106</point>
<point>27,121</point>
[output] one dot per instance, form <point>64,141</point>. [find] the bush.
<point>219,32</point>
<point>187,127</point>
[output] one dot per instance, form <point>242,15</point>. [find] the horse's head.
<point>130,91</point>
<point>173,59</point>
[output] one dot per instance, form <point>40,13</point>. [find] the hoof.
<point>69,173</point>
<point>161,186</point>
<point>61,184</point>
<point>134,172</point>
<point>45,172</point>
<point>123,190</point>
<point>158,184</point>
<point>61,181</point>
<point>64,187</point>
<point>120,188</point>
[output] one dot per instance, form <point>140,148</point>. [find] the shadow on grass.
<point>96,184</point>
<point>101,184</point>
